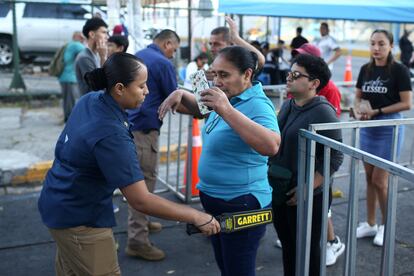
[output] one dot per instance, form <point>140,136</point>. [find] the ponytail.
<point>96,79</point>
<point>118,68</point>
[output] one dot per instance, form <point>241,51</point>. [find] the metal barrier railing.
<point>306,164</point>
<point>175,143</point>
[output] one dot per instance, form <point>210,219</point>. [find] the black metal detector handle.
<point>192,229</point>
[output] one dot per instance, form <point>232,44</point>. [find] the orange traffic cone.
<point>348,69</point>
<point>195,156</point>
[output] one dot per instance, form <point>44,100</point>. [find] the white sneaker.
<point>334,250</point>
<point>366,230</point>
<point>278,243</point>
<point>379,237</point>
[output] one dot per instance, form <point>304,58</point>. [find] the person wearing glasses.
<point>94,155</point>
<point>238,137</point>
<point>334,247</point>
<point>308,75</point>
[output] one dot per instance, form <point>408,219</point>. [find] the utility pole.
<point>17,83</point>
<point>190,34</point>
<point>135,23</point>
<point>114,7</point>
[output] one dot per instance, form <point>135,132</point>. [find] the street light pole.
<point>17,83</point>
<point>190,34</point>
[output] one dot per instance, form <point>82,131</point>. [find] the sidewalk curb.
<point>36,173</point>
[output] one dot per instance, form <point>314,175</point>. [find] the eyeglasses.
<point>294,75</point>
<point>212,124</point>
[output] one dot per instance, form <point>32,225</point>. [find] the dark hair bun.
<point>96,79</point>
<point>255,62</point>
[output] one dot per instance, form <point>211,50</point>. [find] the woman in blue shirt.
<point>94,155</point>
<point>238,137</point>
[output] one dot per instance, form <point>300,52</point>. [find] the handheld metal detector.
<point>232,222</point>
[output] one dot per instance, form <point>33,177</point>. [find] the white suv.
<point>42,28</point>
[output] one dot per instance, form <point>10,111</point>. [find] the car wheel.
<point>6,52</point>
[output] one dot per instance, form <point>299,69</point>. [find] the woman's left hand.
<point>216,99</point>
<point>367,115</point>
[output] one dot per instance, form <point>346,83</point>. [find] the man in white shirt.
<point>330,50</point>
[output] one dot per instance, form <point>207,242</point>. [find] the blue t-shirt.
<point>69,56</point>
<point>161,82</point>
<point>94,155</point>
<point>228,167</point>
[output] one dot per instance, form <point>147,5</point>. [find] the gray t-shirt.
<point>86,61</point>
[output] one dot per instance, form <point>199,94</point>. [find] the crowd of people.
<point>249,158</point>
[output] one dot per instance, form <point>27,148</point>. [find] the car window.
<point>4,9</point>
<point>41,10</point>
<point>73,12</point>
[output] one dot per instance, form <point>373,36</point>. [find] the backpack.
<point>57,64</point>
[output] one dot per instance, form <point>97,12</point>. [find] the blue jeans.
<point>236,252</point>
<point>378,140</point>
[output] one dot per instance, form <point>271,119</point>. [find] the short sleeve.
<point>117,158</point>
<point>332,44</point>
<point>266,117</point>
<point>404,82</point>
<point>360,77</point>
<point>168,79</point>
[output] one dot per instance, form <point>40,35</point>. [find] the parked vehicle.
<point>42,28</point>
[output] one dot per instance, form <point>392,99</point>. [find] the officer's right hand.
<point>207,224</point>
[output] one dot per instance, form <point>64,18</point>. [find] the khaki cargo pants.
<point>85,251</point>
<point>147,150</point>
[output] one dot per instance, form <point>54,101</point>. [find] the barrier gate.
<point>306,164</point>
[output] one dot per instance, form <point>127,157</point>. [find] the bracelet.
<point>204,224</point>
<point>380,111</point>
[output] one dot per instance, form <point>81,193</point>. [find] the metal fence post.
<point>189,162</point>
<point>168,147</point>
<point>305,206</point>
<point>326,184</point>
<point>387,260</point>
<point>180,127</point>
<point>350,253</point>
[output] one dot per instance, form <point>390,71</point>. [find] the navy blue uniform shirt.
<point>161,82</point>
<point>94,155</point>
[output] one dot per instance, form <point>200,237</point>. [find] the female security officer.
<point>94,155</point>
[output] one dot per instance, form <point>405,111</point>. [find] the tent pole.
<point>279,26</point>
<point>267,28</point>
<point>241,25</point>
